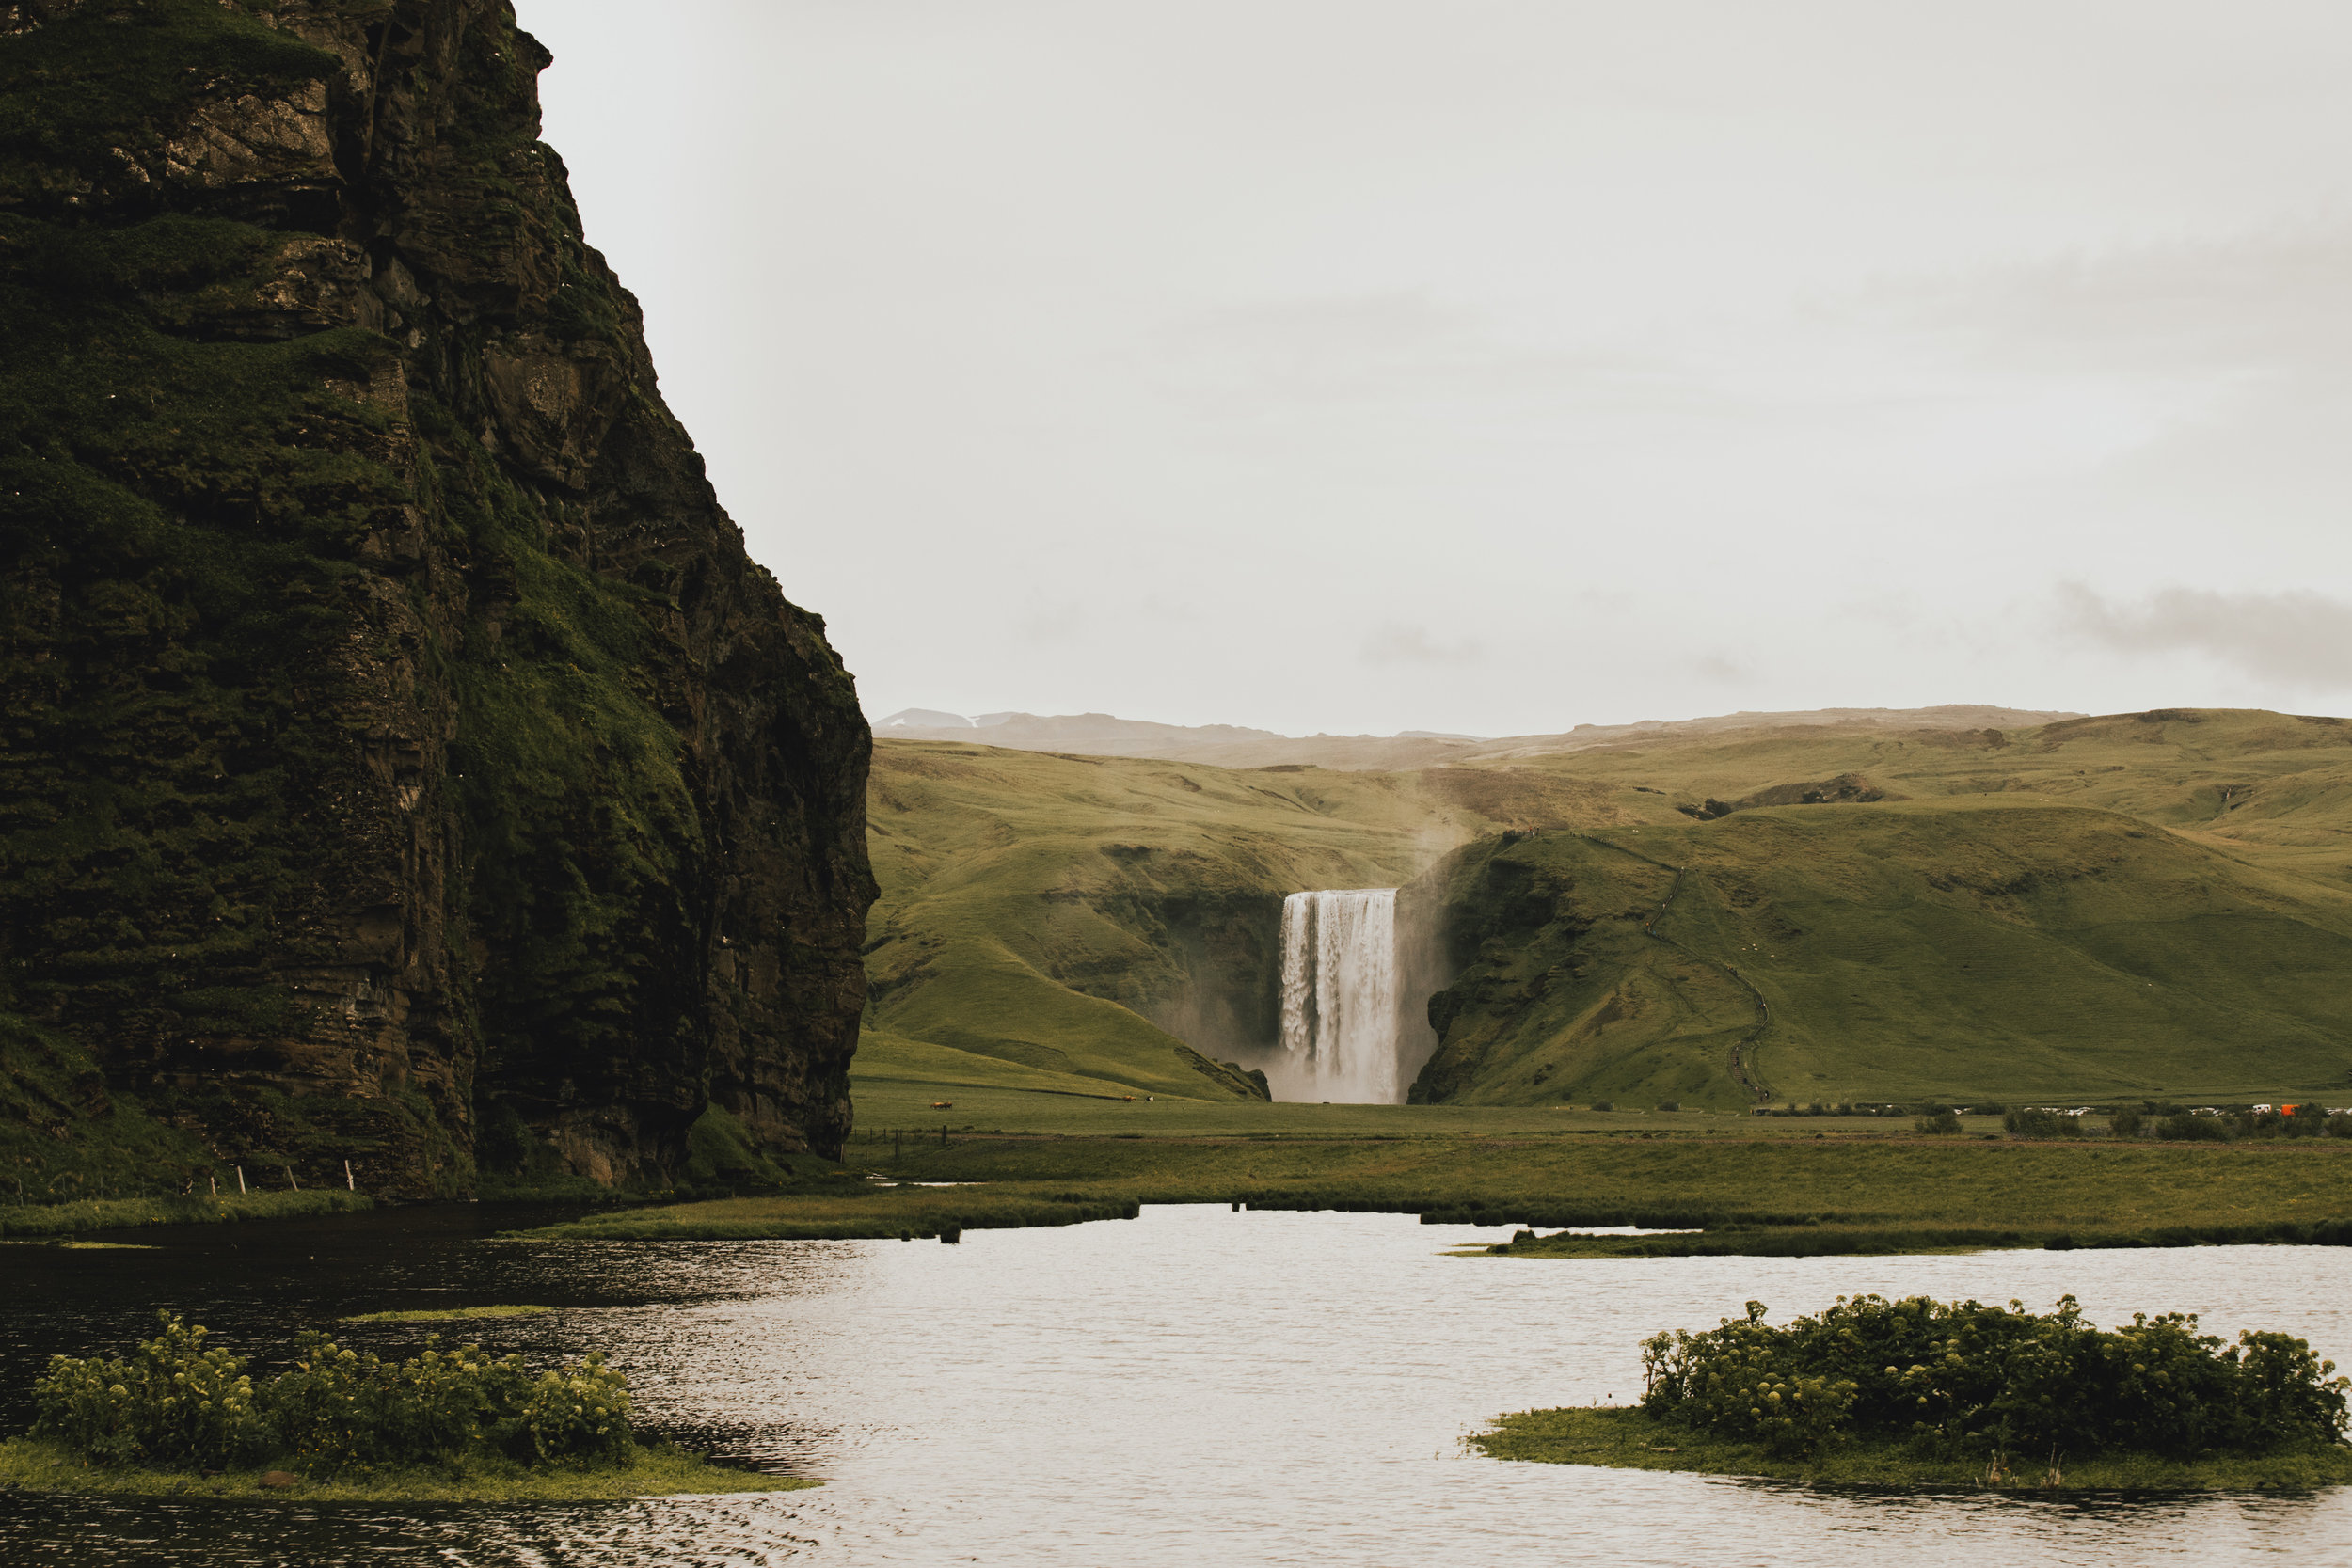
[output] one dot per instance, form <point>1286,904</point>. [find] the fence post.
<point>348,1182</point>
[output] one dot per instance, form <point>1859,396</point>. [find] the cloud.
<point>2291,639</point>
<point>2258,302</point>
<point>1399,643</point>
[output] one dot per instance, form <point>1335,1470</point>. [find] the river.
<point>1195,1386</point>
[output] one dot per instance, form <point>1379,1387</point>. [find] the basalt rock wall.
<point>401,759</point>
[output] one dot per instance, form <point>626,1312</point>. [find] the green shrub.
<point>1962,1378</point>
<point>2029,1121</point>
<point>1936,1120</point>
<point>337,1407</point>
<point>2188,1127</point>
<point>173,1403</point>
<point>580,1415</point>
<point>2123,1124</point>
<point>1734,1382</point>
<point>179,1404</point>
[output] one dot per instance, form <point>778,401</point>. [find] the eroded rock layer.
<point>401,759</point>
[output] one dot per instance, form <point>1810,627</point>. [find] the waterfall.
<point>1339,996</point>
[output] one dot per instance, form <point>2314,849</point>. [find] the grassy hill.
<point>2098,908</point>
<point>1115,920</point>
<point>1970,949</point>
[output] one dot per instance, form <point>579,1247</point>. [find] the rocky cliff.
<point>401,759</point>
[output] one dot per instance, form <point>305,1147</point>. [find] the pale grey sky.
<point>1502,364</point>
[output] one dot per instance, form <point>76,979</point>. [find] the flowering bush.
<point>337,1407</point>
<point>580,1414</point>
<point>174,1402</point>
<point>1734,1382</point>
<point>334,1408</point>
<point>1962,1377</point>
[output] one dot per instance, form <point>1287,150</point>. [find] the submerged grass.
<point>445,1314</point>
<point>122,1213</point>
<point>659,1470</point>
<point>1626,1439</point>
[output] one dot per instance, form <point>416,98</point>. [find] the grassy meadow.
<point>1745,1185</point>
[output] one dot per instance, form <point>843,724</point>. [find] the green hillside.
<point>1115,920</point>
<point>1978,949</point>
<point>2270,787</point>
<point>2141,905</point>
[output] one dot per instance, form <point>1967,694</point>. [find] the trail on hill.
<point>1741,1061</point>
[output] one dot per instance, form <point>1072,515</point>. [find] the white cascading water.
<point>1339,996</point>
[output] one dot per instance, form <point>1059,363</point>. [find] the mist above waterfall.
<point>1340,1033</point>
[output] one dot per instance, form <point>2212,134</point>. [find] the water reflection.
<point>1194,1386</point>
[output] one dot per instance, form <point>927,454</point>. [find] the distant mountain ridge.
<point>1239,746</point>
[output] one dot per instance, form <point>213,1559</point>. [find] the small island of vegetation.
<point>447,1425</point>
<point>446,1314</point>
<point>1926,1393</point>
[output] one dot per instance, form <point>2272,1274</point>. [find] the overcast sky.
<point>1502,364</point>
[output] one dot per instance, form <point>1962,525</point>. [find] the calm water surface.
<point>1197,1387</point>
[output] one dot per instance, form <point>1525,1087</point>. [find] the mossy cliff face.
<point>400,757</point>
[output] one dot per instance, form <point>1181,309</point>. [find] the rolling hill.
<point>1236,746</point>
<point>1116,918</point>
<point>2104,909</point>
<point>1975,950</point>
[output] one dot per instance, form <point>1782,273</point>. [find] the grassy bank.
<point>446,1314</point>
<point>122,1213</point>
<point>1764,1194</point>
<point>1895,1183</point>
<point>877,1214</point>
<point>659,1471</point>
<point>1631,1439</point>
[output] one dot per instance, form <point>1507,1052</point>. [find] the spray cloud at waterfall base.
<point>1341,994</point>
